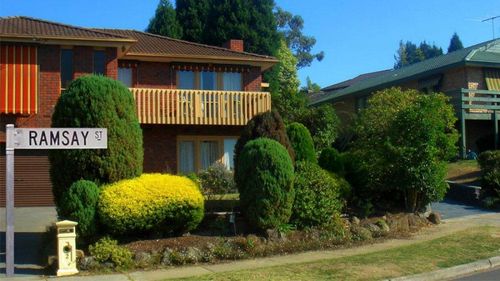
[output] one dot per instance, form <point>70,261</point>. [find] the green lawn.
<point>464,171</point>
<point>459,248</point>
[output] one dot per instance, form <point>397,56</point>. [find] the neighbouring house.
<point>192,100</point>
<point>470,77</point>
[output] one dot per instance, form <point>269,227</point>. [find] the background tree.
<point>165,21</point>
<point>455,43</point>
<point>404,139</point>
<point>192,15</point>
<point>310,87</point>
<point>285,84</point>
<point>290,26</point>
<point>408,53</point>
<point>215,22</point>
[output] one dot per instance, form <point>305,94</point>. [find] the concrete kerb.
<point>451,272</point>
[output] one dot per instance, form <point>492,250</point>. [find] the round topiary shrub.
<point>316,196</point>
<point>96,102</point>
<point>151,202</point>
<point>80,204</point>
<point>331,160</point>
<point>302,142</point>
<point>265,181</point>
<point>265,125</point>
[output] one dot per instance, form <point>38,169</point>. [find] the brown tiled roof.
<point>26,27</point>
<point>156,45</point>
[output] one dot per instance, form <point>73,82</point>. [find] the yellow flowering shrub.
<point>151,202</point>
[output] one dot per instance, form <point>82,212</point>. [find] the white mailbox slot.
<point>66,248</point>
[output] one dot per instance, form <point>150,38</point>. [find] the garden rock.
<point>374,229</point>
<point>398,223</point>
<point>415,222</point>
<point>355,220</point>
<point>361,233</point>
<point>87,263</point>
<point>384,227</point>
<point>143,259</point>
<point>434,217</point>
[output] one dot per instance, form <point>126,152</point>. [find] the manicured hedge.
<point>151,202</point>
<point>302,142</point>
<point>265,125</point>
<point>265,181</point>
<point>317,195</point>
<point>96,102</point>
<point>80,204</point>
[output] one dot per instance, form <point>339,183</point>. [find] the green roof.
<point>486,53</point>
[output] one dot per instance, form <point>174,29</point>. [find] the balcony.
<point>479,104</point>
<point>198,107</point>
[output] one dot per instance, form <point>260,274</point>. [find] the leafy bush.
<point>331,160</point>
<point>403,140</point>
<point>265,181</point>
<point>80,204</point>
<point>317,196</point>
<point>96,102</point>
<point>266,125</point>
<point>323,124</point>
<point>489,161</point>
<point>107,250</point>
<point>217,180</point>
<point>151,202</point>
<point>301,141</point>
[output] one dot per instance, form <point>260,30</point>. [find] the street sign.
<point>60,138</point>
<point>40,138</point>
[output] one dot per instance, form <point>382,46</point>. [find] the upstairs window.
<point>125,76</point>
<point>99,62</point>
<point>186,80</point>
<point>18,79</point>
<point>209,80</point>
<point>66,67</point>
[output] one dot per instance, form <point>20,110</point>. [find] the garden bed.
<point>211,243</point>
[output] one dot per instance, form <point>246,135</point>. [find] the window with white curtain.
<point>231,81</point>
<point>209,153</point>
<point>229,145</point>
<point>197,153</point>
<point>125,76</point>
<point>186,157</point>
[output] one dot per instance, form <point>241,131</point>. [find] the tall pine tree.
<point>165,21</point>
<point>455,43</point>
<point>408,53</point>
<point>193,16</point>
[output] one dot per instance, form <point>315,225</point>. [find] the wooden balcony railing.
<point>198,107</point>
<point>480,101</point>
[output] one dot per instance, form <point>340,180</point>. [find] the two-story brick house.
<point>470,77</point>
<point>192,100</point>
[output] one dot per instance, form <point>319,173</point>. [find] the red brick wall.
<point>160,143</point>
<point>476,75</point>
<point>252,80</point>
<point>111,63</point>
<point>454,79</point>
<point>154,75</point>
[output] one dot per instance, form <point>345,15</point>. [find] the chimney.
<point>234,44</point>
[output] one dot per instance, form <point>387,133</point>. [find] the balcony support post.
<point>495,120</point>
<point>463,138</point>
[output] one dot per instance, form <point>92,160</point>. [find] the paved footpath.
<point>448,227</point>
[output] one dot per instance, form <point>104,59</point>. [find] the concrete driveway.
<point>449,208</point>
<point>30,226</point>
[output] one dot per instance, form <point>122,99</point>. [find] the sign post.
<point>40,138</point>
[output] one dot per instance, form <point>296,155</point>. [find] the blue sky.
<point>356,36</point>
